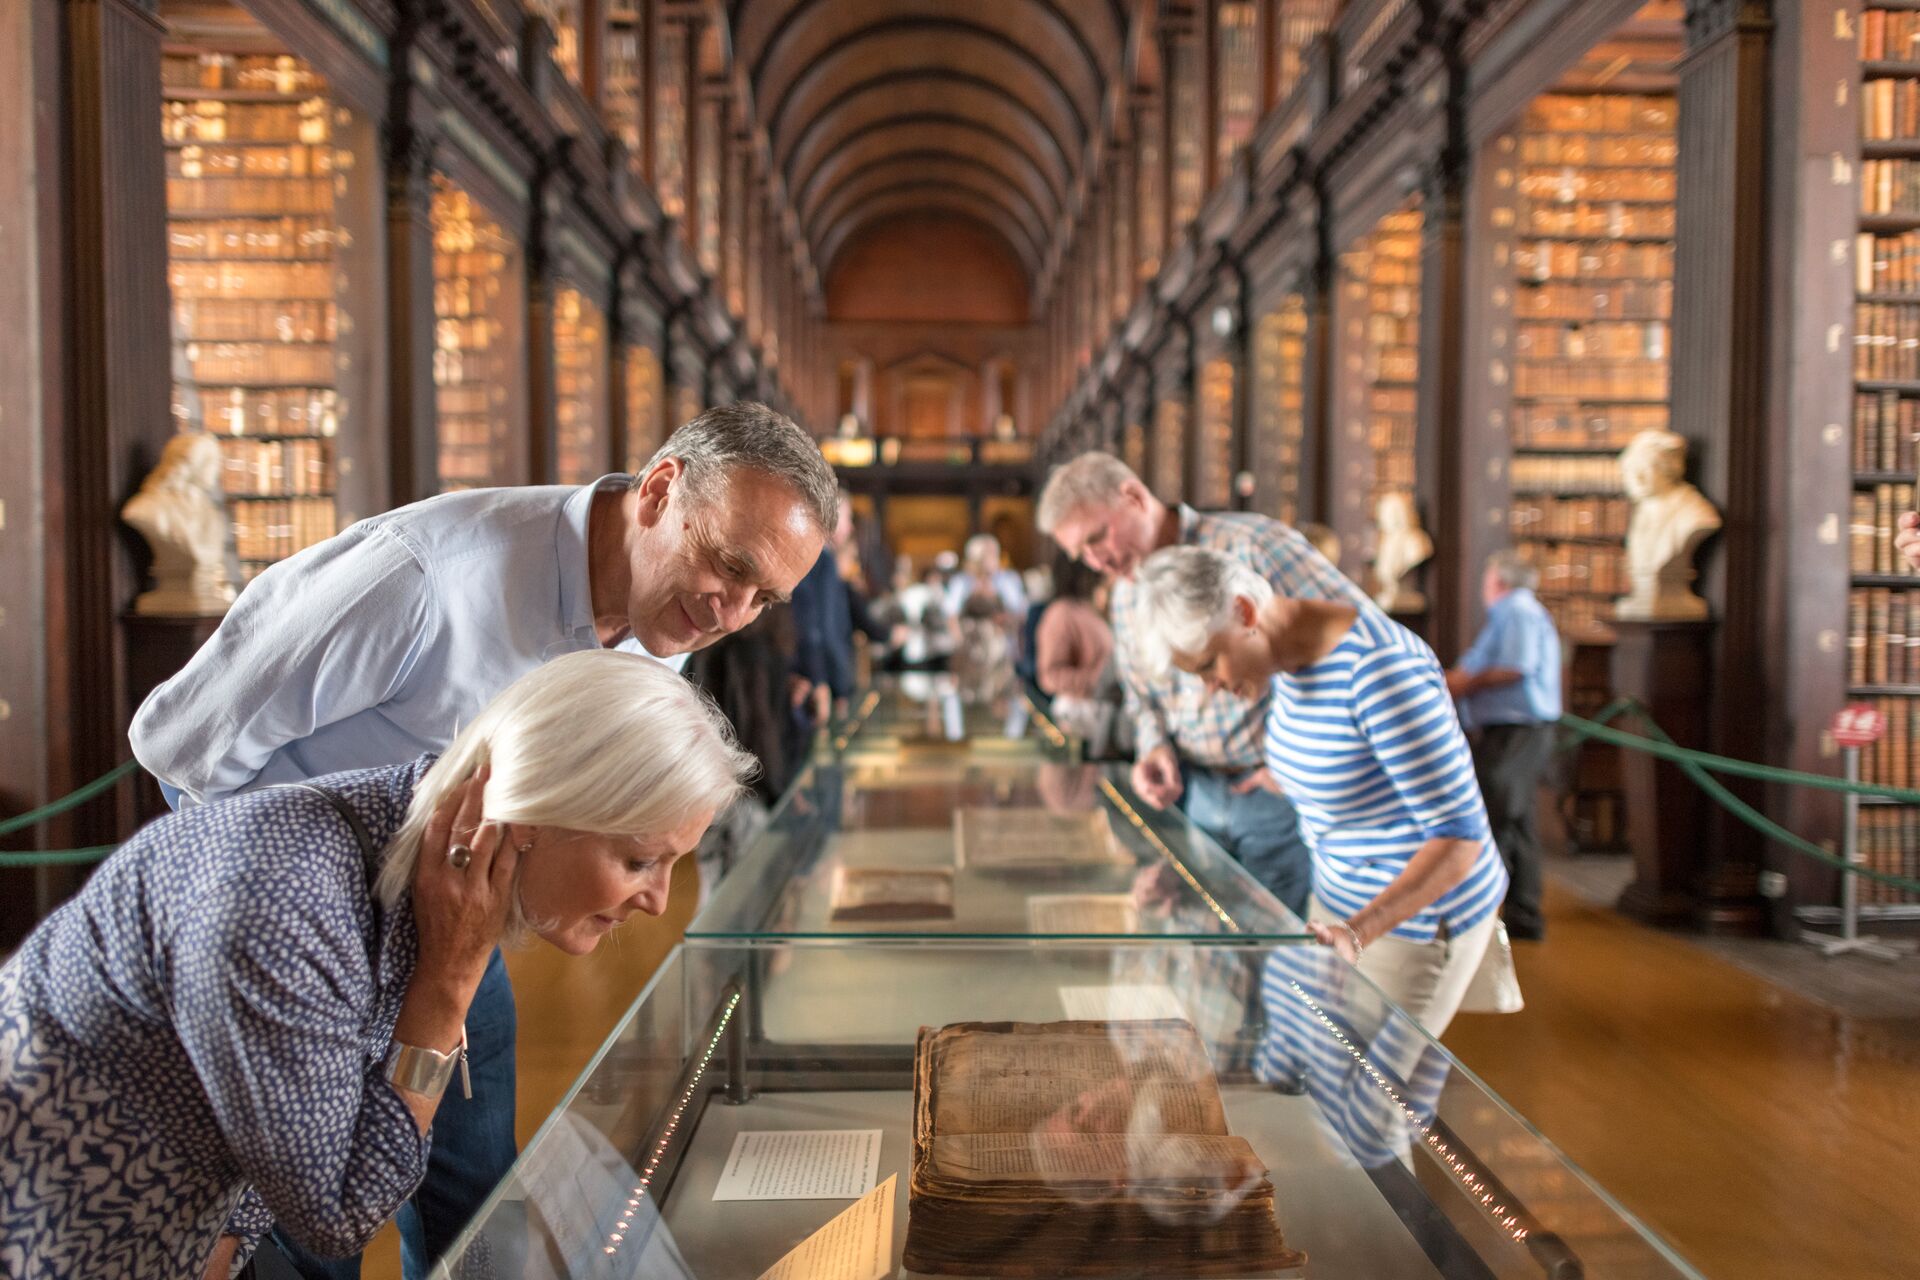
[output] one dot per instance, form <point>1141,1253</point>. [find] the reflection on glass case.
<point>932,814</point>
<point>1051,1108</point>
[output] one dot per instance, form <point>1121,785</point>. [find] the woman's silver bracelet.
<point>1358,946</point>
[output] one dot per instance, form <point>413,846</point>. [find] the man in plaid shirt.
<point>1203,752</point>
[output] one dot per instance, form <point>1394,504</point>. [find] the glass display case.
<point>1228,1108</point>
<point>929,813</point>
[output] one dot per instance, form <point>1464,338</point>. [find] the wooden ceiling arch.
<point>986,109</point>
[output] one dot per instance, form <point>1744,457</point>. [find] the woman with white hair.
<point>981,577</point>
<point>1362,735</point>
<point>251,1012</point>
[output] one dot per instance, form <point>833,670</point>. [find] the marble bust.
<point>1403,547</point>
<point>179,511</point>
<point>1671,519</point>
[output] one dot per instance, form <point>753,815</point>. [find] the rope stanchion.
<point>105,782</point>
<point>1696,765</point>
<point>56,857</point>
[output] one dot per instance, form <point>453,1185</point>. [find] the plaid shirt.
<point>1219,732</point>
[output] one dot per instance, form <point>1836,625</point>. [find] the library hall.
<point>885,639</point>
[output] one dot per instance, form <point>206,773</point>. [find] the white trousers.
<point>1428,980</point>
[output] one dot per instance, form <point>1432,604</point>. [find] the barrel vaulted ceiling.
<point>992,110</point>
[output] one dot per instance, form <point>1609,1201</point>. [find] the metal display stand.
<point>1849,939</point>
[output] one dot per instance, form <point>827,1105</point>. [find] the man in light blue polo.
<point>1507,687</point>
<point>377,645</point>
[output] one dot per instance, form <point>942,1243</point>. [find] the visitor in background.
<point>1507,685</point>
<point>1407,883</point>
<point>1039,584</point>
<point>1073,651</point>
<point>827,610</point>
<point>982,575</point>
<point>1197,747</point>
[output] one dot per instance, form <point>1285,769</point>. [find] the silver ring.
<point>460,855</point>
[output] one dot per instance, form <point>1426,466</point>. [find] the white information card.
<point>856,1245</point>
<point>1122,1002</point>
<point>801,1164</point>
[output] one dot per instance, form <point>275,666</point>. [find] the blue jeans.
<point>472,1150</point>
<point>1260,829</point>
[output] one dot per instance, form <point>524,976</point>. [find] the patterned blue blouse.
<point>193,1044</point>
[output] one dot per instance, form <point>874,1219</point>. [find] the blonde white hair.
<point>1090,480</point>
<point>601,741</point>
<point>1186,598</point>
<point>981,554</point>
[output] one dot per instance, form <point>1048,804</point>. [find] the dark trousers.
<point>472,1144</point>
<point>1510,761</point>
<point>1259,829</point>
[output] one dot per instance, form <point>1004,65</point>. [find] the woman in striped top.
<point>1407,883</point>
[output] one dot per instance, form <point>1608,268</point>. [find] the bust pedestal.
<point>1665,666</point>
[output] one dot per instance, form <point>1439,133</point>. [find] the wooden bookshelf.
<point>478,358</point>
<point>1279,406</point>
<point>253,271</point>
<point>1590,237</point>
<point>1213,479</point>
<point>1378,357</point>
<point>580,390</point>
<point>1883,597</point>
<point>645,406</point>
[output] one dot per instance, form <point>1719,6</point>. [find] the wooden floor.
<point>1760,1134</point>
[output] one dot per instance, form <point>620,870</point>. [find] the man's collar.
<point>571,552</point>
<point>1189,523</point>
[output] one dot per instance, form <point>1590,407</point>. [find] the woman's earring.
<point>522,849</point>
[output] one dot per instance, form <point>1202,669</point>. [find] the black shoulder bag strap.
<point>346,811</point>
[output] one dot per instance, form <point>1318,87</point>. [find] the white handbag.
<point>1495,986</point>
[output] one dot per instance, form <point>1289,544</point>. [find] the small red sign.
<point>1858,725</point>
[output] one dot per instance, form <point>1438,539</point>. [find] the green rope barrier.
<point>105,782</point>
<point>56,857</point>
<point>1695,765</point>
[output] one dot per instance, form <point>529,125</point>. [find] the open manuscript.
<point>885,894</point>
<point>1081,1149</point>
<point>1032,839</point>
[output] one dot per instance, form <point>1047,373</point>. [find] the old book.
<point>1082,913</point>
<point>886,893</point>
<point>1032,839</point>
<point>1081,1149</point>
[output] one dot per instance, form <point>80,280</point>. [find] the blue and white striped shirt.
<point>1367,745</point>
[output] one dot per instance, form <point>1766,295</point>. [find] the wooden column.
<point>119,387</point>
<point>1446,468</point>
<point>1720,328</point>
<point>410,142</point>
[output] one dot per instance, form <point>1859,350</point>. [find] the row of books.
<point>1883,636</point>
<point>1604,339</point>
<point>1619,300</point>
<point>579,353</point>
<point>1610,149</point>
<point>303,363</point>
<point>1893,761</point>
<point>1545,518</point>
<point>1569,183</point>
<point>254,72</point>
<point>473,355</point>
<point>1889,844</point>
<point>254,320</point>
<point>254,160</point>
<point>1546,424</point>
<point>187,194</point>
<point>1889,36</point>
<point>202,121</point>
<point>1890,110</point>
<point>1887,264</point>
<point>1591,378</point>
<point>254,411</point>
<point>1585,617</point>
<point>196,278</point>
<point>273,467</point>
<point>1541,260</point>
<point>248,238</point>
<point>1601,113</point>
<point>1598,220</point>
<point>1886,340</point>
<point>1572,568</point>
<point>276,528</point>
<point>1875,514</point>
<point>1885,425</point>
<point>1584,475</point>
<point>1889,186</point>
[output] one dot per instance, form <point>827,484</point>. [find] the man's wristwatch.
<point>427,1071</point>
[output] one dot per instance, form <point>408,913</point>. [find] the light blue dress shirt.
<point>376,646</point>
<point>1519,636</point>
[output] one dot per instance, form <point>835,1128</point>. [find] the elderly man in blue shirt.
<point>379,644</point>
<point>1507,687</point>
